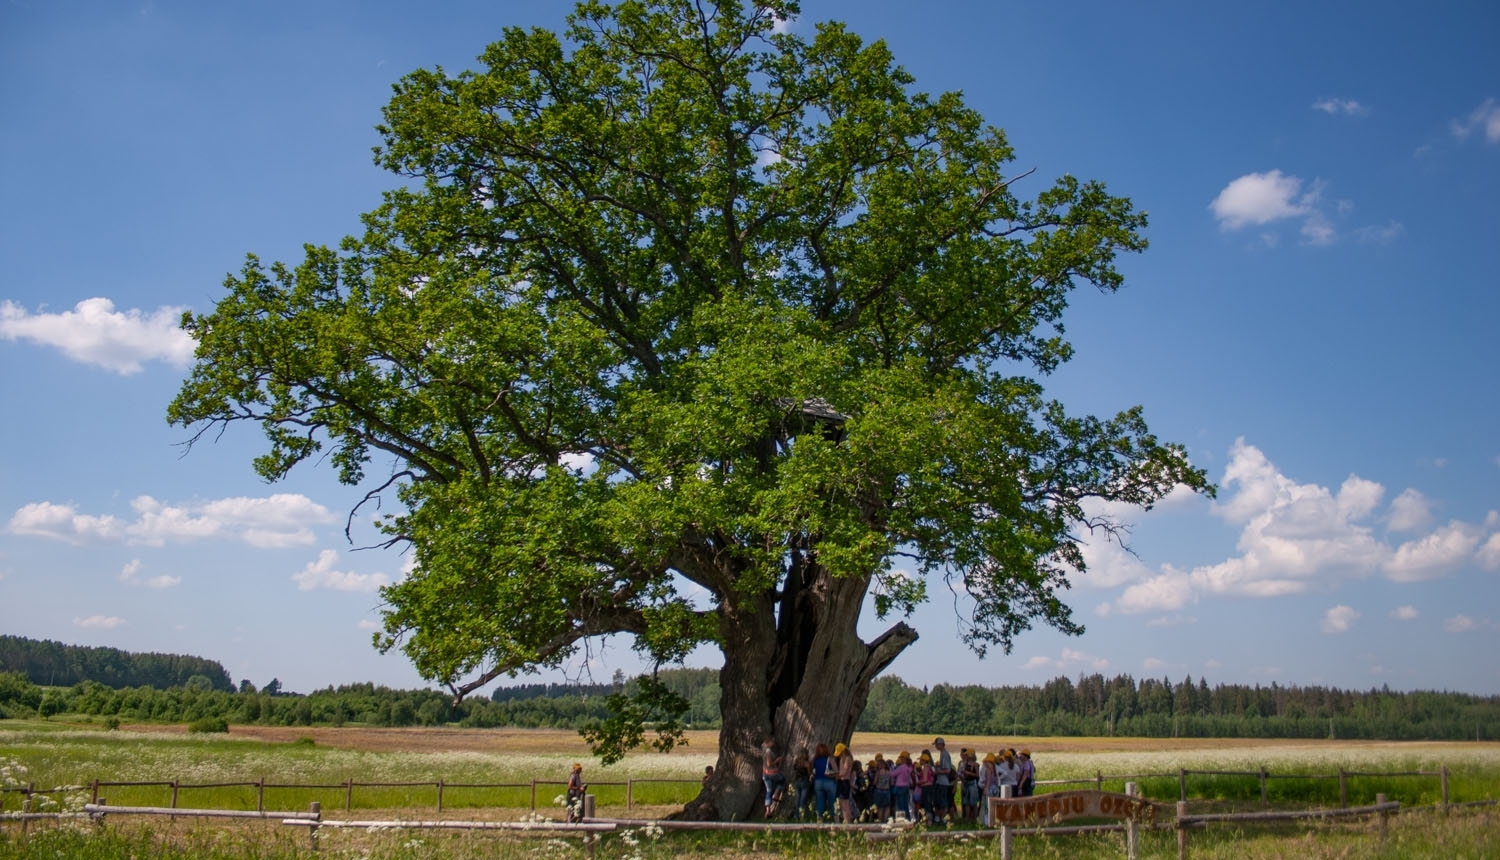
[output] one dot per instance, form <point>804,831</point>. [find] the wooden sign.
<point>1065,805</point>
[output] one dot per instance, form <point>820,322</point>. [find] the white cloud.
<point>1070,659</point>
<point>1173,620</point>
<point>321,574</point>
<point>271,522</point>
<point>1212,664</point>
<point>1169,590</point>
<point>93,332</point>
<point>1488,555</point>
<point>1485,119</point>
<point>130,574</point>
<point>778,23</point>
<point>63,522</point>
<point>1405,613</point>
<point>367,624</point>
<point>1377,235</point>
<point>1259,198</point>
<point>1409,511</point>
<point>1435,554</point>
<point>1336,106</point>
<point>98,622</point>
<point>1151,664</point>
<point>1298,537</point>
<point>1339,619</point>
<point>1459,624</point>
<point>1317,230</point>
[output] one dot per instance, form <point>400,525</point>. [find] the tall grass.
<point>1464,835</point>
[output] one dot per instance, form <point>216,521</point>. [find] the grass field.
<point>52,753</point>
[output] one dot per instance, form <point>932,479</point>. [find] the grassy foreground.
<point>1464,835</point>
<point>45,754</point>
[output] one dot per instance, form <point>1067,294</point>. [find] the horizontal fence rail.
<point>439,793</point>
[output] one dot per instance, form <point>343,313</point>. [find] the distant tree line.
<point>528,706</point>
<point>1090,706</point>
<point>1094,706</point>
<point>49,663</point>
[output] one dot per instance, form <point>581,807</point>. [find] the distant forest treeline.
<point>55,664</point>
<point>1092,705</point>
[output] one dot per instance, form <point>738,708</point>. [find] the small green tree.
<point>694,331</point>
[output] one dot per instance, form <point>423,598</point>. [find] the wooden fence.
<point>441,789</point>
<point>1442,774</point>
<point>439,792</point>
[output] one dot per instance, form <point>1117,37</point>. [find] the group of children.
<point>836,786</point>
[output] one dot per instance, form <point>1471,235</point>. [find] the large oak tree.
<point>691,330</point>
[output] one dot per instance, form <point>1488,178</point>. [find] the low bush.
<point>204,725</point>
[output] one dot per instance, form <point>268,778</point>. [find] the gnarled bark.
<point>802,674</point>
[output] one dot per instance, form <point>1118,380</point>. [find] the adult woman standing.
<point>825,790</point>
<point>845,783</point>
<point>922,778</point>
<point>802,770</point>
<point>575,793</point>
<point>771,775</point>
<point>901,783</point>
<point>989,786</point>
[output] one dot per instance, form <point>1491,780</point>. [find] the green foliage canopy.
<point>669,306</point>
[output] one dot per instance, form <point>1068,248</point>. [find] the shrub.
<point>205,725</point>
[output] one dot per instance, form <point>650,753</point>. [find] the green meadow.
<point>46,754</point>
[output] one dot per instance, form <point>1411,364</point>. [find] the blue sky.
<point>1314,320</point>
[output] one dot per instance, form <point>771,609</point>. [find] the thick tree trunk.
<point>802,674</point>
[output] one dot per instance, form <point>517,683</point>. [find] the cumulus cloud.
<point>98,622</point>
<point>1340,107</point>
<point>93,332</point>
<point>1435,554</point>
<point>1409,511</point>
<point>1405,613</point>
<point>1459,624</point>
<point>1260,198</point>
<point>1296,538</point>
<point>1339,619</point>
<point>322,574</point>
<point>1069,660</point>
<point>1152,664</point>
<point>64,522</point>
<point>1484,119</point>
<point>367,625</point>
<point>1488,555</point>
<point>271,522</point>
<point>1380,235</point>
<point>130,574</point>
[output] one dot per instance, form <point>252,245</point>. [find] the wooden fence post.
<point>629,794</point>
<point>94,791</point>
<point>590,840</point>
<point>1444,774</point>
<point>1182,784</point>
<point>1098,780</point>
<point>316,808</point>
<point>1130,839</point>
<point>533,795</point>
<point>1343,788</point>
<point>1006,793</point>
<point>260,795</point>
<point>1264,798</point>
<point>1384,816</point>
<point>25,810</point>
<point>349,794</point>
<point>1182,833</point>
<point>99,816</point>
<point>440,796</point>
